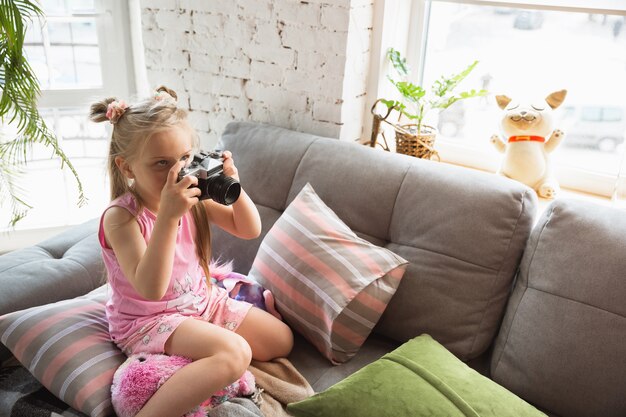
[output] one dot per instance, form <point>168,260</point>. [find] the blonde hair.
<point>131,131</point>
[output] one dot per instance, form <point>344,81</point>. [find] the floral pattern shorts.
<point>222,311</point>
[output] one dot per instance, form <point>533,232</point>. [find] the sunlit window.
<point>525,52</point>
<point>64,50</point>
<point>72,56</point>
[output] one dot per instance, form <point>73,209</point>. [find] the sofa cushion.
<point>329,284</point>
<point>420,378</point>
<point>562,344</point>
<point>62,267</point>
<point>66,346</point>
<point>462,231</point>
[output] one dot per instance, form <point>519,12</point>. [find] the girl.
<point>156,247</point>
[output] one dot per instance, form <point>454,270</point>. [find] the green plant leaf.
<point>410,91</point>
<point>392,104</point>
<point>446,85</point>
<point>473,93</point>
<point>416,101</point>
<point>10,192</point>
<point>398,62</point>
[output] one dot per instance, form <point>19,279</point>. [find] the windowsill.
<point>576,195</point>
<point>55,201</point>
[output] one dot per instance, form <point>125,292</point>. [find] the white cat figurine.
<point>529,137</point>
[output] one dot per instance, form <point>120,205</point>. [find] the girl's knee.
<point>238,354</point>
<point>276,344</point>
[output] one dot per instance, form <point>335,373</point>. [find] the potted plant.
<point>19,90</point>
<point>415,138</point>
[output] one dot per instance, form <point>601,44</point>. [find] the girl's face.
<point>159,154</point>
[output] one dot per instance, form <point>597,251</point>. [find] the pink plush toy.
<point>137,379</point>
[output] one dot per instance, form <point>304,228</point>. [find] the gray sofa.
<point>535,302</point>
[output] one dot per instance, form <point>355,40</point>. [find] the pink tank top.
<point>187,294</point>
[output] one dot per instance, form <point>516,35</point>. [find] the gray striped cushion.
<point>66,346</point>
<point>329,284</point>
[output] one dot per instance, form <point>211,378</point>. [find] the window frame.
<point>118,76</point>
<point>403,25</point>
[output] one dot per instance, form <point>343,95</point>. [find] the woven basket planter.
<point>408,142</point>
<point>421,145</point>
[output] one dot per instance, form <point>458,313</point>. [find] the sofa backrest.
<point>562,344</point>
<point>462,231</point>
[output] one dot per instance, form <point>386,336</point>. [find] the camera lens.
<point>222,189</point>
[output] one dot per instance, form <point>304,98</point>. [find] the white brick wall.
<point>297,64</point>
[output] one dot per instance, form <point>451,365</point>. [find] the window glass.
<point>33,34</point>
<point>65,52</point>
<point>84,31</point>
<point>530,54</point>
<point>87,66</point>
<point>36,56</point>
<point>53,7</point>
<point>59,32</point>
<point>81,6</point>
<point>52,191</point>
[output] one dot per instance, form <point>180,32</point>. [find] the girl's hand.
<point>176,197</point>
<point>230,170</point>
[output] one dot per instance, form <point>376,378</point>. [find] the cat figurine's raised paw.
<point>529,136</point>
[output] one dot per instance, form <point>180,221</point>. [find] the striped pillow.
<point>329,284</point>
<point>66,346</point>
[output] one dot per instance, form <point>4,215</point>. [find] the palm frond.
<point>12,193</point>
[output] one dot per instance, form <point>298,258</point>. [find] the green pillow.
<point>420,378</point>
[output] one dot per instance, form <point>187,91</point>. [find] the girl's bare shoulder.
<point>118,218</point>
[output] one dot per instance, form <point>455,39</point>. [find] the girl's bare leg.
<point>219,357</point>
<point>267,336</point>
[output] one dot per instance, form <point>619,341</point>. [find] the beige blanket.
<point>281,383</point>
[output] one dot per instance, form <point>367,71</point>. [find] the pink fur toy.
<point>137,379</point>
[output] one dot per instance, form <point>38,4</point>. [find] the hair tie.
<point>115,110</point>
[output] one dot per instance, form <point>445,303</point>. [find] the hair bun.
<point>162,91</point>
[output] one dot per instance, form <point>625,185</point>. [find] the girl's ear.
<point>124,167</point>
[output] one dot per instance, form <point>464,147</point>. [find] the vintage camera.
<point>213,184</point>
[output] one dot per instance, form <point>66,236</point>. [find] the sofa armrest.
<point>562,344</point>
<point>64,266</point>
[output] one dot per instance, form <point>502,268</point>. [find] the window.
<point>79,54</point>
<point>526,48</point>
<point>64,52</point>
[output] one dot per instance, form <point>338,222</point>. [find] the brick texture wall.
<point>296,64</point>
